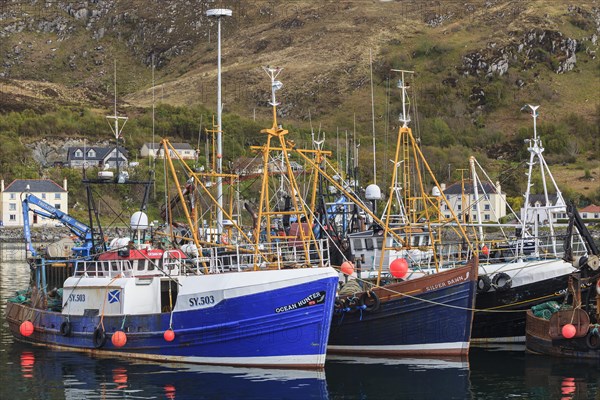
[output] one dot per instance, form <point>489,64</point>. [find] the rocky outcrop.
<point>547,47</point>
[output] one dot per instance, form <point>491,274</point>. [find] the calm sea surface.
<point>28,372</point>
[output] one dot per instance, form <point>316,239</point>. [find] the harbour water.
<point>28,372</point>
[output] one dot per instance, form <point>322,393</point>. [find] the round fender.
<point>65,328</point>
<point>502,282</point>
<point>484,283</point>
<point>370,300</point>
<point>593,339</point>
<point>99,337</point>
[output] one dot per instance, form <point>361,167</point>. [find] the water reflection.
<point>490,373</point>
<point>397,378</point>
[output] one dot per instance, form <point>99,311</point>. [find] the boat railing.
<point>274,255</point>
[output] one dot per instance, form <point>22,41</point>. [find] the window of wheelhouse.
<point>369,243</point>
<point>141,265</point>
<point>357,244</point>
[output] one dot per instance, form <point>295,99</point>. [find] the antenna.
<point>404,117</point>
<point>117,131</point>
<point>373,120</point>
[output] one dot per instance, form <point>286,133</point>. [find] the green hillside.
<point>476,64</point>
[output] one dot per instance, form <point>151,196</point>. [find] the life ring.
<point>502,282</point>
<point>99,337</point>
<point>484,283</point>
<point>65,328</point>
<point>593,339</point>
<point>224,239</point>
<point>370,300</point>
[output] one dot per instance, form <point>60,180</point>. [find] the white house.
<point>183,150</point>
<point>45,189</point>
<point>590,212</point>
<point>461,198</point>
<point>96,156</point>
<point>543,213</point>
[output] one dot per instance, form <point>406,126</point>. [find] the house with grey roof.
<point>11,209</point>
<point>543,211</point>
<point>181,150</point>
<point>94,156</point>
<point>489,200</point>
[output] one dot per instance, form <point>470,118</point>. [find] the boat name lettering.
<point>155,253</point>
<point>201,301</point>
<point>80,297</point>
<point>310,300</point>
<point>457,280</point>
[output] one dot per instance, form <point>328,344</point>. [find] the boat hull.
<point>506,320</point>
<point>538,341</point>
<point>287,326</point>
<point>433,320</point>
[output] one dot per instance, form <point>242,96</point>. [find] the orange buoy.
<point>485,250</point>
<point>169,335</point>
<point>347,268</point>
<point>568,331</point>
<point>119,338</point>
<point>169,391</point>
<point>26,328</point>
<point>399,268</point>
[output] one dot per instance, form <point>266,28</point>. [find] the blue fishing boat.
<point>252,303</point>
<point>407,293</point>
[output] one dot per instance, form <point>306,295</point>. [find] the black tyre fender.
<point>370,300</point>
<point>593,339</point>
<point>484,283</point>
<point>66,328</point>
<point>99,337</point>
<point>502,282</point>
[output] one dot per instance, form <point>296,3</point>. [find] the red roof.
<point>592,208</point>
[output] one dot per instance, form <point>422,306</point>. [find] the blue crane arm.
<point>79,229</point>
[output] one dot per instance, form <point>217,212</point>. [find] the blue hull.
<point>435,320</point>
<point>247,330</point>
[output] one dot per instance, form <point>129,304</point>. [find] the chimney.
<point>443,186</point>
<point>65,184</point>
<point>2,185</point>
<point>498,187</point>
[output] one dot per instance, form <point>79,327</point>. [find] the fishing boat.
<point>383,312</point>
<point>570,329</point>
<point>518,272</point>
<point>245,304</point>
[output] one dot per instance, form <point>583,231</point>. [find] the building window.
<point>78,153</point>
<point>13,196</point>
<point>56,196</point>
<point>91,153</point>
<point>12,206</point>
<point>43,196</point>
<point>57,206</point>
<point>474,217</point>
<point>487,217</point>
<point>486,207</point>
<point>459,207</point>
<point>12,217</point>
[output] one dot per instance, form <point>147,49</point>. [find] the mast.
<point>218,13</point>
<point>536,149</point>
<point>276,142</point>
<point>116,129</point>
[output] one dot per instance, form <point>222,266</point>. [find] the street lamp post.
<point>218,13</point>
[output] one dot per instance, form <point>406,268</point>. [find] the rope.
<point>397,294</point>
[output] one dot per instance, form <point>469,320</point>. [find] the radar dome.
<point>373,192</point>
<point>139,220</point>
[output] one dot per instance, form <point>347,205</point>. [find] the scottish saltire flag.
<point>114,296</point>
